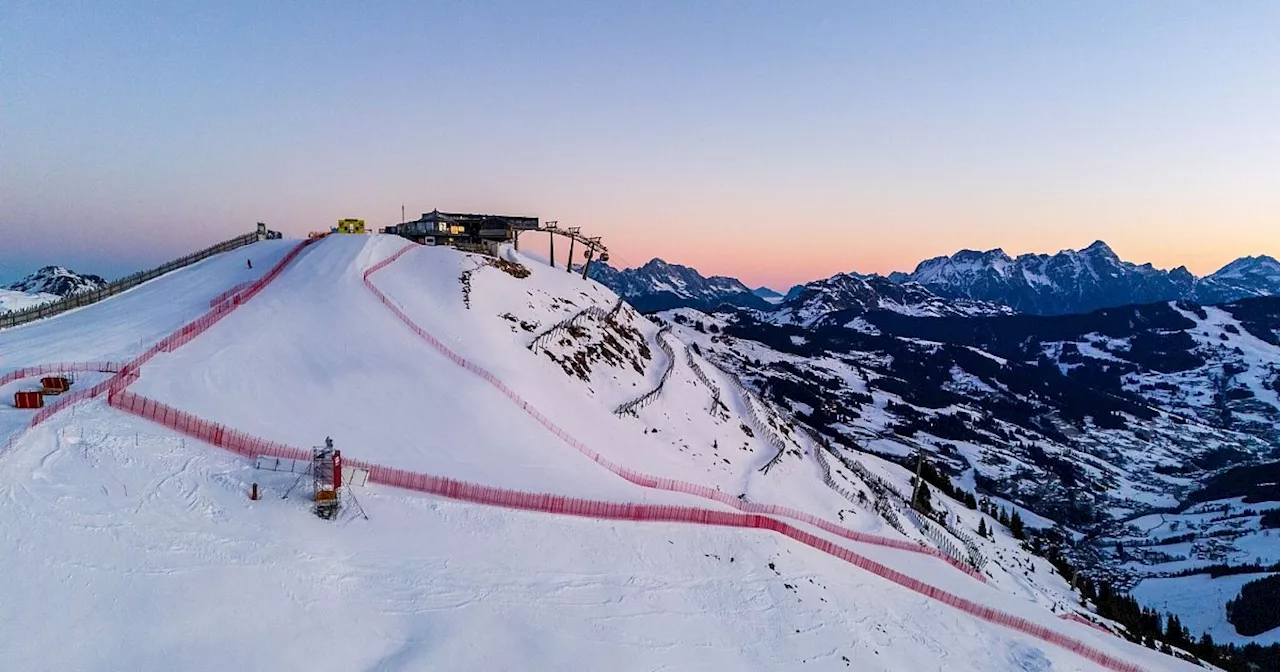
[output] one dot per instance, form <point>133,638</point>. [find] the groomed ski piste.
<point>531,529</point>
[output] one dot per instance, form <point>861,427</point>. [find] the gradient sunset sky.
<point>778,142</point>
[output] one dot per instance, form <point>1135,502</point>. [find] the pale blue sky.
<point>777,141</point>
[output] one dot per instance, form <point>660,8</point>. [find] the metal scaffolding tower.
<point>326,474</point>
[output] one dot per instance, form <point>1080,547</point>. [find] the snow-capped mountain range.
<point>1078,281</point>
<point>848,295</point>
<point>659,285</point>
<point>966,283</point>
<point>47,284</point>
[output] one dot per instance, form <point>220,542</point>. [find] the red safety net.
<point>128,372</point>
<point>251,446</point>
<point>59,368</point>
<point>225,296</point>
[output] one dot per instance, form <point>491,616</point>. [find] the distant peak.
<point>57,280</point>
<point>1244,265</point>
<point>658,264</point>
<point>995,253</point>
<point>1100,247</point>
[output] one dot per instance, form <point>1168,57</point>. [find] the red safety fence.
<point>209,432</point>
<point>63,400</point>
<point>127,373</point>
<point>228,303</point>
<point>251,446</point>
<point>640,478</point>
<point>60,367</point>
<point>213,303</point>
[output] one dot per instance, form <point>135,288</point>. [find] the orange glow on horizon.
<point>783,262</point>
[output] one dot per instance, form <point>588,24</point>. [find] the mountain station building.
<point>450,228</point>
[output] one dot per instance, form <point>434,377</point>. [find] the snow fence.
<point>251,446</point>
<point>648,397</point>
<point>128,372</point>
<point>63,400</point>
<point>702,377</point>
<point>562,326</point>
<point>61,367</point>
<point>640,478</point>
<point>64,304</point>
<point>748,403</point>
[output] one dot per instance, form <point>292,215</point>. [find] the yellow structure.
<point>350,226</point>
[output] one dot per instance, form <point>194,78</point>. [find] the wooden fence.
<point>17,317</point>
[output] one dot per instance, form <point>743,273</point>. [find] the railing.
<point>563,325</point>
<point>42,311</point>
<point>617,306</point>
<point>976,557</point>
<point>702,377</point>
<point>879,505</point>
<point>880,489</point>
<point>938,537</point>
<point>753,419</point>
<point>648,397</point>
<point>1073,616</point>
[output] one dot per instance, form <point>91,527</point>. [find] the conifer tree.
<point>1016,527</point>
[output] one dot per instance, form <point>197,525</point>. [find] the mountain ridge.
<point>1079,281</point>
<point>975,282</point>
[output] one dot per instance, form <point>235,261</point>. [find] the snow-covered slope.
<point>11,300</point>
<point>1200,602</point>
<point>128,324</point>
<point>143,545</point>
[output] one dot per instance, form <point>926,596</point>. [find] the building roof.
<point>485,221</point>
